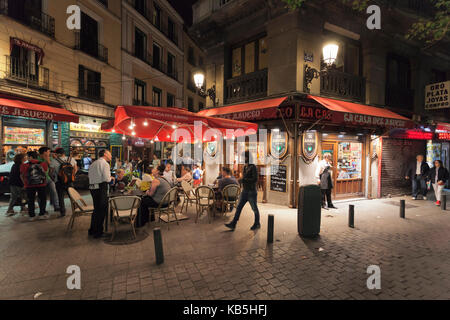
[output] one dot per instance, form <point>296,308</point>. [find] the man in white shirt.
<point>418,173</point>
<point>99,178</point>
<point>325,180</point>
<point>168,174</point>
<point>61,187</point>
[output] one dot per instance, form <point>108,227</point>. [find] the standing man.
<point>418,172</point>
<point>249,193</point>
<point>65,169</point>
<point>44,156</point>
<point>34,179</point>
<point>324,179</point>
<point>99,178</point>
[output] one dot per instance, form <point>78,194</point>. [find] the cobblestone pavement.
<point>205,261</point>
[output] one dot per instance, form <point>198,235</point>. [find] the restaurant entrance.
<point>347,153</point>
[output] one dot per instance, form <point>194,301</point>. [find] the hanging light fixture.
<point>145,123</point>
<point>133,133</point>
<point>123,137</point>
<point>330,52</point>
<point>113,130</point>
<point>174,126</point>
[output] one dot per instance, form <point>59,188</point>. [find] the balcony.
<point>27,73</point>
<point>36,20</point>
<point>137,102</point>
<point>343,85</point>
<point>400,98</point>
<point>93,49</point>
<point>246,87</point>
<point>144,56</point>
<point>418,7</point>
<point>93,92</point>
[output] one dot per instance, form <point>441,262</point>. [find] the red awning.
<point>258,110</point>
<point>360,114</point>
<point>443,127</point>
<point>19,108</point>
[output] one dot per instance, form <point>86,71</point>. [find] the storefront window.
<point>23,136</point>
<point>349,160</point>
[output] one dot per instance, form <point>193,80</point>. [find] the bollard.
<point>270,229</point>
<point>402,209</point>
<point>351,216</point>
<point>159,253</point>
<point>444,202</point>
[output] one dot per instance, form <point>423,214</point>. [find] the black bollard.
<point>159,253</point>
<point>270,229</point>
<point>402,209</point>
<point>351,216</point>
<point>444,202</point>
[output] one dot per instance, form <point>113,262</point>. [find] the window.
<point>249,57</point>
<point>24,63</point>
<point>89,35</point>
<point>104,2</point>
<point>398,72</point>
<point>348,59</point>
<point>139,92</point>
<point>349,160</point>
<point>171,65</point>
<point>171,29</point>
<point>236,62</point>
<point>89,85</point>
<point>200,61</point>
<point>140,44</point>
<point>156,56</point>
<point>263,57</point>
<point>190,104</point>
<point>170,100</point>
<point>191,56</point>
<point>190,82</point>
<point>156,16</point>
<point>156,97</point>
<point>141,7</point>
<point>200,106</point>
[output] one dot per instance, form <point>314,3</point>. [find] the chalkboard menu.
<point>278,179</point>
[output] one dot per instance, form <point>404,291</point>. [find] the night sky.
<point>184,8</point>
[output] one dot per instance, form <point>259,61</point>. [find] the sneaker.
<point>255,226</point>
<point>31,219</point>
<point>44,217</point>
<point>230,225</point>
<point>10,213</point>
<point>438,203</point>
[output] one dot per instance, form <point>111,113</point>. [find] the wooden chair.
<point>124,209</point>
<point>189,196</point>
<point>78,205</point>
<point>230,197</point>
<point>167,206</point>
<point>205,201</point>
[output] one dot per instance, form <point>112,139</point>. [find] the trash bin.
<point>309,210</point>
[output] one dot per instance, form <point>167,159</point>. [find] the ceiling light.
<point>133,133</point>
<point>145,123</point>
<point>123,138</point>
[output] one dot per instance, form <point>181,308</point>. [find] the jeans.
<point>42,199</point>
<point>16,194</point>
<point>100,200</point>
<point>143,213</point>
<point>61,191</point>
<point>419,186</point>
<point>326,195</point>
<point>51,187</point>
<point>252,197</point>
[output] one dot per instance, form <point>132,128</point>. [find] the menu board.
<point>278,179</point>
<point>23,136</point>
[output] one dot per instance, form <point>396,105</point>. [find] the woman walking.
<point>438,176</point>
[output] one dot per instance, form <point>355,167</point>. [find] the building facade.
<point>194,58</point>
<point>44,62</point>
<point>260,56</point>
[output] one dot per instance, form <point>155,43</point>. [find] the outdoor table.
<point>116,193</point>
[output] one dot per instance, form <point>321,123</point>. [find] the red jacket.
<point>24,171</point>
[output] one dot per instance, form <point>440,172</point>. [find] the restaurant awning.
<point>360,114</point>
<point>251,111</point>
<point>20,108</point>
<point>443,127</point>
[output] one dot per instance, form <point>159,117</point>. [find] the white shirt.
<point>418,168</point>
<point>168,175</point>
<point>99,172</point>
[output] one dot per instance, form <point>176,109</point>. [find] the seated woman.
<point>153,197</point>
<point>185,174</point>
<point>149,174</point>
<point>121,180</point>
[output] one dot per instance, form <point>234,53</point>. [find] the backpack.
<point>66,172</point>
<point>36,174</point>
<point>196,175</point>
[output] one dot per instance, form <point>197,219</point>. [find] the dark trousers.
<point>326,197</point>
<point>42,200</point>
<point>144,213</point>
<point>419,186</point>
<point>251,197</point>
<point>100,200</point>
<point>61,190</point>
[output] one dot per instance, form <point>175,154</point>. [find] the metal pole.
<point>402,209</point>
<point>159,253</point>
<point>444,202</point>
<point>270,226</point>
<point>351,216</point>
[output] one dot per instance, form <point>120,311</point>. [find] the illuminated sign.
<point>436,96</point>
<point>444,136</point>
<point>85,127</point>
<point>24,136</point>
<point>412,134</point>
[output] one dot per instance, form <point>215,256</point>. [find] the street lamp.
<point>199,80</point>
<point>330,52</point>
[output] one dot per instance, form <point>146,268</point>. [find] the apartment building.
<point>194,61</point>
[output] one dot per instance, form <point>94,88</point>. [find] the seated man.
<point>121,180</point>
<point>227,179</point>
<point>169,174</point>
<point>153,197</point>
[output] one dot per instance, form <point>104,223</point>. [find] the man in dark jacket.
<point>418,173</point>
<point>249,193</point>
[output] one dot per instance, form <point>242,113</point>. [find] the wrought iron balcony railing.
<point>27,73</point>
<point>343,85</point>
<point>39,21</point>
<point>246,87</point>
<point>93,92</point>
<point>144,56</point>
<point>93,49</point>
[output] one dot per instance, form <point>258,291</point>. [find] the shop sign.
<point>310,142</point>
<point>373,121</point>
<point>278,179</point>
<point>436,96</point>
<point>278,144</point>
<point>444,136</point>
<point>139,143</point>
<point>19,112</point>
<point>211,148</point>
<point>261,114</point>
<point>86,127</point>
<point>411,134</point>
<point>315,113</point>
